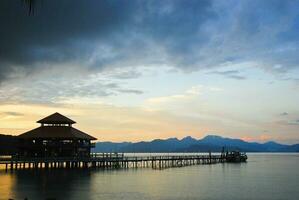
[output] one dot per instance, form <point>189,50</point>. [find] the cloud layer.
<point>187,35</point>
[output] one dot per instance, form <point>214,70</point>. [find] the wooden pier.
<point>110,161</point>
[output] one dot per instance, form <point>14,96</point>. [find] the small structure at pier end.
<point>55,138</point>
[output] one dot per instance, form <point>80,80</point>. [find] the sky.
<point>140,70</point>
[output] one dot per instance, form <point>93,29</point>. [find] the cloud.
<point>10,115</point>
<point>189,94</point>
<point>76,39</point>
<point>288,122</point>
<point>233,74</point>
<point>296,122</point>
<point>123,73</point>
<point>94,33</point>
<point>130,91</point>
<point>14,113</point>
<point>57,89</point>
<point>61,32</point>
<point>284,114</point>
<point>186,35</point>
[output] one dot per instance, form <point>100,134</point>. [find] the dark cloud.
<point>61,31</point>
<point>188,35</point>
<point>94,33</point>
<point>233,74</point>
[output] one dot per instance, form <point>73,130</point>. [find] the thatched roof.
<point>56,132</point>
<point>56,118</point>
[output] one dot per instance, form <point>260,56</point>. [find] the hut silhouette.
<point>56,137</point>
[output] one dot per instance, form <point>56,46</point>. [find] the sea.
<point>265,176</point>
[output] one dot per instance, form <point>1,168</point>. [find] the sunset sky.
<point>140,70</point>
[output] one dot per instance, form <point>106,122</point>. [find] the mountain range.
<point>212,143</point>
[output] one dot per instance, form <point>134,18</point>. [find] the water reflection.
<point>6,183</point>
<point>42,184</point>
<point>267,177</point>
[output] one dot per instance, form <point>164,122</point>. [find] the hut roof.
<point>56,118</point>
<point>57,132</point>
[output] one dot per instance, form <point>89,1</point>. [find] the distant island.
<point>212,143</point>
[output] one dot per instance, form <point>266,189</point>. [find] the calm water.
<point>264,176</point>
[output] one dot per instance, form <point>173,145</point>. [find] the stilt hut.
<point>56,137</point>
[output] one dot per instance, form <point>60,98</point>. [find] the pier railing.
<point>111,160</point>
<point>102,157</point>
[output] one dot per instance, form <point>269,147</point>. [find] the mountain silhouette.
<point>213,143</point>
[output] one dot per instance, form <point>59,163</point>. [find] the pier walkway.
<point>110,161</point>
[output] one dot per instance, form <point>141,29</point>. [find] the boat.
<point>236,156</point>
